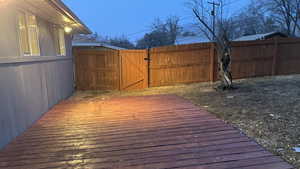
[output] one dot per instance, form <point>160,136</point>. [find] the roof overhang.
<point>54,11</point>
<point>63,9</point>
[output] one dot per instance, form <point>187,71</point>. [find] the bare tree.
<point>162,33</point>
<point>173,27</point>
<point>122,42</point>
<point>220,35</point>
<point>286,12</point>
<point>254,19</point>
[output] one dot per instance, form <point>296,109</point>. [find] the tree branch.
<point>208,28</point>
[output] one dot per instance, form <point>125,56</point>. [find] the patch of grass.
<point>266,109</point>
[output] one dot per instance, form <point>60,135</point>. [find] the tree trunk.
<point>224,62</point>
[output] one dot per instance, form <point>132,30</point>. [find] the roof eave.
<point>61,7</point>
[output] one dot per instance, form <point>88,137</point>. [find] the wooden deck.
<point>135,133</point>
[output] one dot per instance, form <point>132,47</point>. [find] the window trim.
<point>63,51</point>
<point>57,41</point>
<point>27,14</point>
<point>19,32</point>
<point>37,34</point>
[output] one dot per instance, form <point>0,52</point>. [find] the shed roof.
<point>95,44</point>
<point>260,36</point>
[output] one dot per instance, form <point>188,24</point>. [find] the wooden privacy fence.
<point>97,69</point>
<point>138,69</point>
<point>133,69</point>
<point>265,58</point>
<point>110,69</point>
<point>181,64</point>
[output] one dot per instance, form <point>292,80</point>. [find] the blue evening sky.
<point>131,18</point>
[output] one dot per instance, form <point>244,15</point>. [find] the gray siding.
<point>29,86</point>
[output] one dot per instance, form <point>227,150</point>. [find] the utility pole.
<point>213,13</point>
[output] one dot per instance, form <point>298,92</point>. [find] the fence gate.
<point>134,69</point>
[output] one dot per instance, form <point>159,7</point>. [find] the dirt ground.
<point>266,109</point>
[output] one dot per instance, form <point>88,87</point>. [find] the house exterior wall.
<point>8,29</point>
<point>29,86</point>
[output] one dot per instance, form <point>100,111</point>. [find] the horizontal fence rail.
<point>170,65</point>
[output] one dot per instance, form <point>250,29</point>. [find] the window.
<point>28,34</point>
<point>60,42</point>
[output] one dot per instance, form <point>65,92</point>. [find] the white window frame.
<point>27,15</point>
<point>60,41</point>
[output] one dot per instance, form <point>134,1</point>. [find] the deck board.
<point>163,131</point>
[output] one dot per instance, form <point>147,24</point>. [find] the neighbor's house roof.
<point>95,44</point>
<point>184,40</point>
<point>54,11</point>
<point>260,36</point>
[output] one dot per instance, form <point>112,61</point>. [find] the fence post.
<point>275,57</point>
<point>75,57</point>
<point>120,70</point>
<point>148,67</point>
<point>212,62</point>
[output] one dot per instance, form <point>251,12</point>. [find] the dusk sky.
<point>132,18</point>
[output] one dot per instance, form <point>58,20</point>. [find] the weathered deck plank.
<point>135,132</point>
